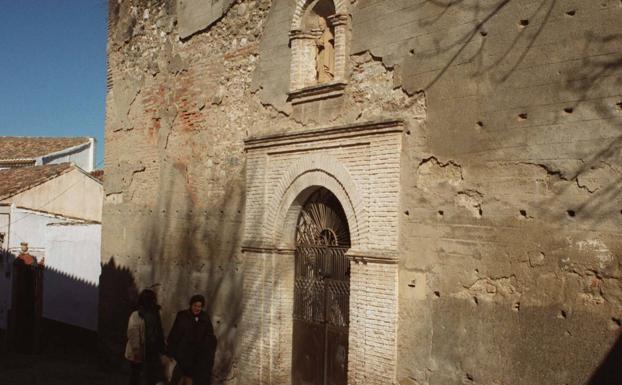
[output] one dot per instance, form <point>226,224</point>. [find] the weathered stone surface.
<point>508,249</point>
<point>196,15</point>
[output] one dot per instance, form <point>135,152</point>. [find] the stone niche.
<point>360,165</point>
<point>318,41</point>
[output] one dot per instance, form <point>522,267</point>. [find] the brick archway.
<point>360,165</point>
<point>341,7</point>
<point>297,184</point>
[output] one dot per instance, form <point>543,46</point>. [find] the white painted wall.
<point>82,156</point>
<point>72,272</point>
<point>24,226</point>
<point>72,257</point>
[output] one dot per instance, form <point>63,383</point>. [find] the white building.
<point>56,209</point>
<point>23,151</point>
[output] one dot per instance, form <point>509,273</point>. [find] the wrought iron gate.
<point>321,293</point>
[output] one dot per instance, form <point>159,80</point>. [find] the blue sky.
<point>53,68</point>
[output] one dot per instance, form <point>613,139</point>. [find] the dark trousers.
<point>148,373</point>
<point>135,372</point>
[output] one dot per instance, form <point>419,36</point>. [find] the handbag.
<point>169,364</point>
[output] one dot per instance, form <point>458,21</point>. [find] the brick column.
<point>254,336</point>
<point>266,330</point>
<point>373,323</point>
<point>281,324</point>
<point>302,69</point>
<point>340,24</point>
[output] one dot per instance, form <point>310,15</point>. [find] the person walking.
<point>145,341</point>
<point>192,343</point>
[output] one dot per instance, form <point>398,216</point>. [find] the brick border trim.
<point>341,7</point>
<point>297,184</point>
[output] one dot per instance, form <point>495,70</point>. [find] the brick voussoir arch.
<point>316,170</point>
<point>341,7</point>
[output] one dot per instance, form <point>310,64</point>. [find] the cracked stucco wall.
<point>511,246</point>
<point>510,235</point>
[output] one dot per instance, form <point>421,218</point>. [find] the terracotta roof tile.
<point>99,174</point>
<point>16,180</point>
<point>25,147</point>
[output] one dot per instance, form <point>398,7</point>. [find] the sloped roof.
<point>30,147</point>
<point>16,180</point>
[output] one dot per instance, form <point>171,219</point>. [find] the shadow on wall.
<point>483,12</point>
<point>610,370</point>
<point>69,299</point>
<point>197,251</point>
<point>117,289</point>
<point>190,246</point>
<point>69,310</point>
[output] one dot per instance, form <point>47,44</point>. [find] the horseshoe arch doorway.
<point>321,293</point>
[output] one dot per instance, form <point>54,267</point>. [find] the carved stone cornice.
<point>374,127</point>
<point>384,257</point>
<point>317,91</point>
<point>262,248</point>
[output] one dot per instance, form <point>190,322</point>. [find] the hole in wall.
<point>483,33</point>
<point>619,105</point>
<point>572,12</point>
<point>407,213</point>
<point>476,300</point>
<point>569,110</point>
<point>562,314</point>
<point>516,306</point>
<point>469,377</point>
<point>567,333</point>
<point>437,294</point>
<point>571,213</point>
<point>441,213</point>
<point>479,124</point>
<point>523,23</point>
<point>411,52</point>
<point>523,116</point>
<point>616,323</point>
<point>523,213</point>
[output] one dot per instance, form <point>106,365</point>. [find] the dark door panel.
<point>321,294</point>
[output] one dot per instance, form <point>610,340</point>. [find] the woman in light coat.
<point>145,341</point>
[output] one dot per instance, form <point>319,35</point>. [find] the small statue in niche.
<point>325,58</point>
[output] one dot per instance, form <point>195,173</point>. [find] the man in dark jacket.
<point>192,343</point>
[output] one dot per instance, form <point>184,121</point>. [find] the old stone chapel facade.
<point>370,192</point>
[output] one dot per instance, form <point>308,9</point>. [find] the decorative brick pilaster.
<point>373,323</point>
<point>303,72</point>
<point>340,24</point>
